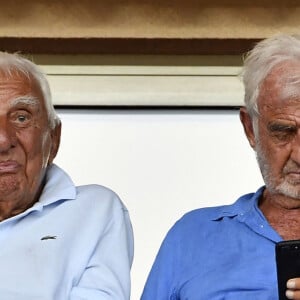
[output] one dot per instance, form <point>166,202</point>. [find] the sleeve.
<point>107,275</point>
<point>160,283</point>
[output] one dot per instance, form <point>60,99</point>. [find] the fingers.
<point>293,289</point>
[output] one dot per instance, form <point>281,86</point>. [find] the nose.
<point>295,151</point>
<point>7,137</point>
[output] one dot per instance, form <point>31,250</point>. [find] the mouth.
<point>294,173</point>
<point>9,166</point>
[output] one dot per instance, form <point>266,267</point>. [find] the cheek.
<point>36,147</point>
<point>277,157</point>
<point>45,148</point>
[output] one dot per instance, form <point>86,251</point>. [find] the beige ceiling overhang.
<point>143,53</point>
<point>140,26</point>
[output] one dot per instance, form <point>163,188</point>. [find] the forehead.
<point>14,85</point>
<point>280,91</point>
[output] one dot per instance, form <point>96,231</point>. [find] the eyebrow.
<point>281,127</point>
<point>26,100</point>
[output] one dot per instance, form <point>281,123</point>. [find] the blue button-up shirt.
<point>226,252</point>
<point>74,243</point>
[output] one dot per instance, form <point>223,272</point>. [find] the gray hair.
<point>11,63</point>
<point>259,62</point>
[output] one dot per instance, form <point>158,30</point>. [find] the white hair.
<point>259,62</point>
<point>12,63</point>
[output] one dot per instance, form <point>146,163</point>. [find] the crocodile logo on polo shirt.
<point>48,237</point>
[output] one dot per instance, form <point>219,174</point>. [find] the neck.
<point>9,209</point>
<point>282,213</point>
<point>278,202</point>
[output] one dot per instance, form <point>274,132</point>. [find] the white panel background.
<point>161,163</point>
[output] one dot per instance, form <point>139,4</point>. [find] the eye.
<point>281,132</point>
<point>21,118</point>
<point>283,136</point>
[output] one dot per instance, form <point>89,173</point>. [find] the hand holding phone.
<point>288,264</point>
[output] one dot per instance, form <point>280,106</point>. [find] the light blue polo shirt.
<point>74,243</point>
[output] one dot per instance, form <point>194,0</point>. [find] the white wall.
<point>161,163</point>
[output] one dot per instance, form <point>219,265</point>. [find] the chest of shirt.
<point>43,254</point>
<point>232,279</point>
<point>228,264</point>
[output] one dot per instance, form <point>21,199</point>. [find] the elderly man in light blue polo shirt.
<point>58,241</point>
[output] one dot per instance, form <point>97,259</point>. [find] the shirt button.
<point>261,226</point>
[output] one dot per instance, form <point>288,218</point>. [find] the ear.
<point>248,126</point>
<point>55,139</point>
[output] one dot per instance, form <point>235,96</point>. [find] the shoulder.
<point>197,218</point>
<point>98,197</point>
<point>95,190</point>
<point>200,215</point>
<point>204,220</point>
<point>203,215</point>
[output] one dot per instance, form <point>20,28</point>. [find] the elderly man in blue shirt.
<point>228,252</point>
<point>58,241</point>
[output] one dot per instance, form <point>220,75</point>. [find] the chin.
<point>289,190</point>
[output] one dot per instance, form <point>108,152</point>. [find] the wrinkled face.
<point>27,145</point>
<point>276,139</point>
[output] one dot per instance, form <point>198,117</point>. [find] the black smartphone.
<point>288,264</point>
